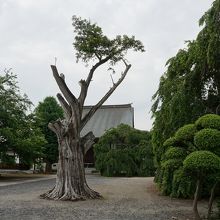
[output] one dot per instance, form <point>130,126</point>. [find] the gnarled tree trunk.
<point>196,198</point>
<point>71,181</point>
<point>211,199</point>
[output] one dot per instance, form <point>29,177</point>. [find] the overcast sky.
<point>34,32</point>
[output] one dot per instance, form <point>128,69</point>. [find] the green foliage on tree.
<point>186,133</point>
<point>200,165</point>
<point>208,139</point>
<point>208,121</point>
<point>124,151</point>
<point>172,141</point>
<point>47,111</point>
<point>18,130</point>
<point>190,87</point>
<point>175,152</point>
<point>90,43</point>
<point>191,155</point>
<point>171,178</point>
<point>94,49</point>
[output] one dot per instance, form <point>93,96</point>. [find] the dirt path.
<point>124,199</point>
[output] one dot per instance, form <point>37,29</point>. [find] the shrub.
<point>170,142</point>
<point>7,159</point>
<point>119,162</point>
<point>208,139</point>
<point>194,141</point>
<point>182,185</point>
<point>165,186</point>
<point>144,159</point>
<point>175,153</point>
<point>124,151</point>
<point>172,164</point>
<point>186,133</point>
<point>202,162</point>
<point>208,121</point>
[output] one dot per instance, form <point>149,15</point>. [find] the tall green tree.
<point>91,45</point>
<point>17,128</point>
<point>47,111</point>
<point>191,85</point>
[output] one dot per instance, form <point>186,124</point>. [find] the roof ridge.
<point>110,106</point>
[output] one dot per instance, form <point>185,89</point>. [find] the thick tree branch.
<point>104,98</point>
<point>85,83</point>
<point>65,105</point>
<point>83,93</point>
<point>88,145</point>
<point>63,87</point>
<point>56,127</point>
<point>89,78</point>
<point>87,141</point>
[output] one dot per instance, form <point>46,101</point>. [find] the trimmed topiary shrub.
<point>208,121</point>
<point>190,138</point>
<point>186,133</point>
<point>175,153</point>
<point>208,139</point>
<point>171,164</point>
<point>201,163</point>
<point>170,142</point>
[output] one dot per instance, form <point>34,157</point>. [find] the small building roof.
<point>108,116</point>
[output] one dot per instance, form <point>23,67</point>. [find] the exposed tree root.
<point>70,195</point>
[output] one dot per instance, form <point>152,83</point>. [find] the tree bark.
<point>211,199</point>
<point>195,201</point>
<point>71,182</point>
<point>48,167</point>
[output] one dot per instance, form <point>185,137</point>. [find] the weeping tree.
<point>91,45</point>
<point>190,86</point>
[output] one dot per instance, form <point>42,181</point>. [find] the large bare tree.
<point>91,45</point>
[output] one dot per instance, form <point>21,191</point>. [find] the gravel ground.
<point>124,199</point>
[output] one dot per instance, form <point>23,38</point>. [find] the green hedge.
<point>124,151</point>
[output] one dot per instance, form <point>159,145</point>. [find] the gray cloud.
<point>34,32</point>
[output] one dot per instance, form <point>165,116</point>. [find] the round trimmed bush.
<point>175,153</point>
<point>186,132</point>
<point>208,139</point>
<point>208,121</point>
<point>202,162</point>
<point>172,164</point>
<point>170,142</point>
